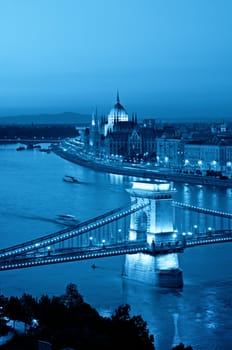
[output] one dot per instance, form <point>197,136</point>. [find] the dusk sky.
<point>169,59</point>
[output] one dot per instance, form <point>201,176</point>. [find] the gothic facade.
<point>120,136</point>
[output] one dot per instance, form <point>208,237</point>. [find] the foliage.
<point>182,347</point>
<point>67,321</point>
<point>133,330</point>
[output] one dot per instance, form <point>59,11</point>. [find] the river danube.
<point>33,195</point>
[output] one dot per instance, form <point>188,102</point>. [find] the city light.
<point>166,262</point>
<point>151,186</point>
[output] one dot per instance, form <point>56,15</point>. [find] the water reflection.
<point>176,338</point>
<point>116,179</point>
<point>199,315</point>
<point>186,194</point>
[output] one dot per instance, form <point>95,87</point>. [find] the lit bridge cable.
<point>202,210</point>
<point>73,231</point>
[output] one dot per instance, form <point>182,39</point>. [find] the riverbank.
<point>76,155</point>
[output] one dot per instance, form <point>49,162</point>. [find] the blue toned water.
<point>32,194</point>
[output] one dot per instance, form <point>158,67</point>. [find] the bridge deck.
<point>48,249</point>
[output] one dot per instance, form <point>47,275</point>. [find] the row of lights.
<point>189,233</point>
<point>203,209</point>
<point>68,235</point>
<point>57,260</point>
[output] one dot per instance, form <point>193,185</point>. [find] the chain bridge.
<point>151,231</point>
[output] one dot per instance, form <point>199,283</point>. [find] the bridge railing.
<point>72,231</point>
<point>202,210</point>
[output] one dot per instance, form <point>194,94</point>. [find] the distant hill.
<point>62,118</point>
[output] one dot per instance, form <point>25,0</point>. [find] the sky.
<point>169,59</point>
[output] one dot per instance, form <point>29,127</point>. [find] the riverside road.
<point>77,155</point>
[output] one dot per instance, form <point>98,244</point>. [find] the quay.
<point>77,155</point>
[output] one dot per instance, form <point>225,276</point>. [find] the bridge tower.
<point>153,223</point>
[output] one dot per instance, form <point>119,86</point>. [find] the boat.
<point>47,150</point>
<point>67,218</point>
<point>20,148</point>
<point>69,178</point>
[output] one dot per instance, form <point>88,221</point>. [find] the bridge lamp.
<point>103,243</point>
<point>49,250</point>
<point>119,233</point>
<point>195,228</point>
<point>175,232</point>
<point>91,240</point>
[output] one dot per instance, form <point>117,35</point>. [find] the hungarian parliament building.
<point>197,148</point>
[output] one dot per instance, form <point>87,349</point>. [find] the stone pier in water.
<point>153,223</point>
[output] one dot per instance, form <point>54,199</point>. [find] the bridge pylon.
<point>154,224</point>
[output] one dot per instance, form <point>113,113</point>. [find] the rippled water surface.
<point>33,194</point>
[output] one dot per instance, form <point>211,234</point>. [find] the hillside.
<point>62,118</point>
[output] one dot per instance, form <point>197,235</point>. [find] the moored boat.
<point>20,148</point>
<point>69,178</point>
<point>46,150</point>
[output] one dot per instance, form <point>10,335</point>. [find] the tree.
<point>14,309</point>
<point>182,347</point>
<point>133,330</point>
<point>72,297</point>
<point>29,308</point>
<point>68,321</point>
<point>122,313</point>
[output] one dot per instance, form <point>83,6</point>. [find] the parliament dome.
<point>118,112</point>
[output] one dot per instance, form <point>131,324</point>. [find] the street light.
<point>210,230</point>
<point>49,250</point>
<point>214,164</point>
<point>166,160</point>
<point>184,238</point>
<point>119,233</point>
